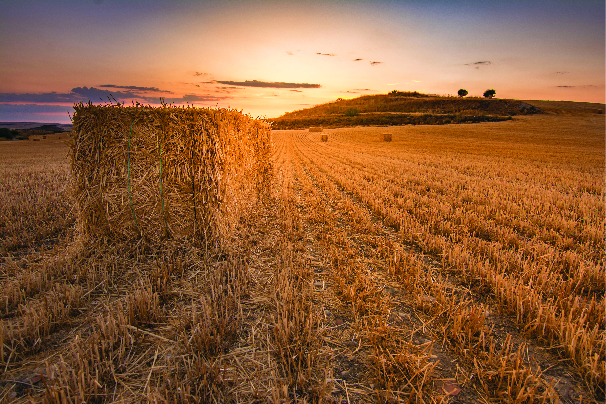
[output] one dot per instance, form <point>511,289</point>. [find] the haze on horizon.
<point>271,57</point>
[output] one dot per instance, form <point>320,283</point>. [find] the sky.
<point>270,57</point>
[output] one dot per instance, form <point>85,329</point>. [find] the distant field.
<point>34,178</point>
<point>456,263</point>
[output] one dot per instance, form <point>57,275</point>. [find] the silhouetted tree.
<point>489,93</point>
<point>462,92</point>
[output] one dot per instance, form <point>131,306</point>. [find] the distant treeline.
<point>380,119</point>
<point>8,134</point>
<point>21,134</point>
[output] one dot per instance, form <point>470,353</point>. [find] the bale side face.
<point>166,172</point>
<point>315,129</point>
<point>385,137</point>
<point>325,138</point>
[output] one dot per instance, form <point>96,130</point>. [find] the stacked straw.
<point>154,173</point>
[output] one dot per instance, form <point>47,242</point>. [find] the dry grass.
<point>456,263</point>
<point>34,178</point>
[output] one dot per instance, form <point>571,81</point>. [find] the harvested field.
<point>456,263</point>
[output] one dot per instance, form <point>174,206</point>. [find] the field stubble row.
<point>553,288</point>
<point>436,265</point>
<point>452,340</point>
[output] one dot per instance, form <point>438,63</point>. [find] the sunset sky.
<point>271,57</point>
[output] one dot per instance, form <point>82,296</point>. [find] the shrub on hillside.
<point>8,134</point>
<point>352,112</point>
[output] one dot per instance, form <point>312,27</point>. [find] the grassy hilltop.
<point>403,108</point>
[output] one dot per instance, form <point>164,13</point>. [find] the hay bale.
<point>315,129</point>
<point>166,172</point>
<point>385,137</point>
<point>325,138</point>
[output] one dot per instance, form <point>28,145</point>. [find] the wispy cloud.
<point>85,94</point>
<point>195,98</point>
<point>581,86</point>
<point>358,59</point>
<point>289,53</point>
<point>76,94</point>
<point>92,93</point>
<point>561,72</point>
<point>375,63</point>
<point>136,88</point>
<point>201,74</point>
<point>477,65</point>
<point>33,108</point>
<point>325,54</point>
<point>227,89</point>
<point>268,84</point>
<point>52,97</point>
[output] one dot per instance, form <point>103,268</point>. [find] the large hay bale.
<point>385,137</point>
<point>315,129</point>
<point>325,138</point>
<point>166,172</point>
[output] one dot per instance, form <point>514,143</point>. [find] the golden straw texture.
<point>166,172</point>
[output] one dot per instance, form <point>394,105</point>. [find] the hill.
<point>403,108</point>
<point>31,130</point>
<point>36,125</point>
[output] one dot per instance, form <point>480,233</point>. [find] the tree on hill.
<point>489,93</point>
<point>462,92</point>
